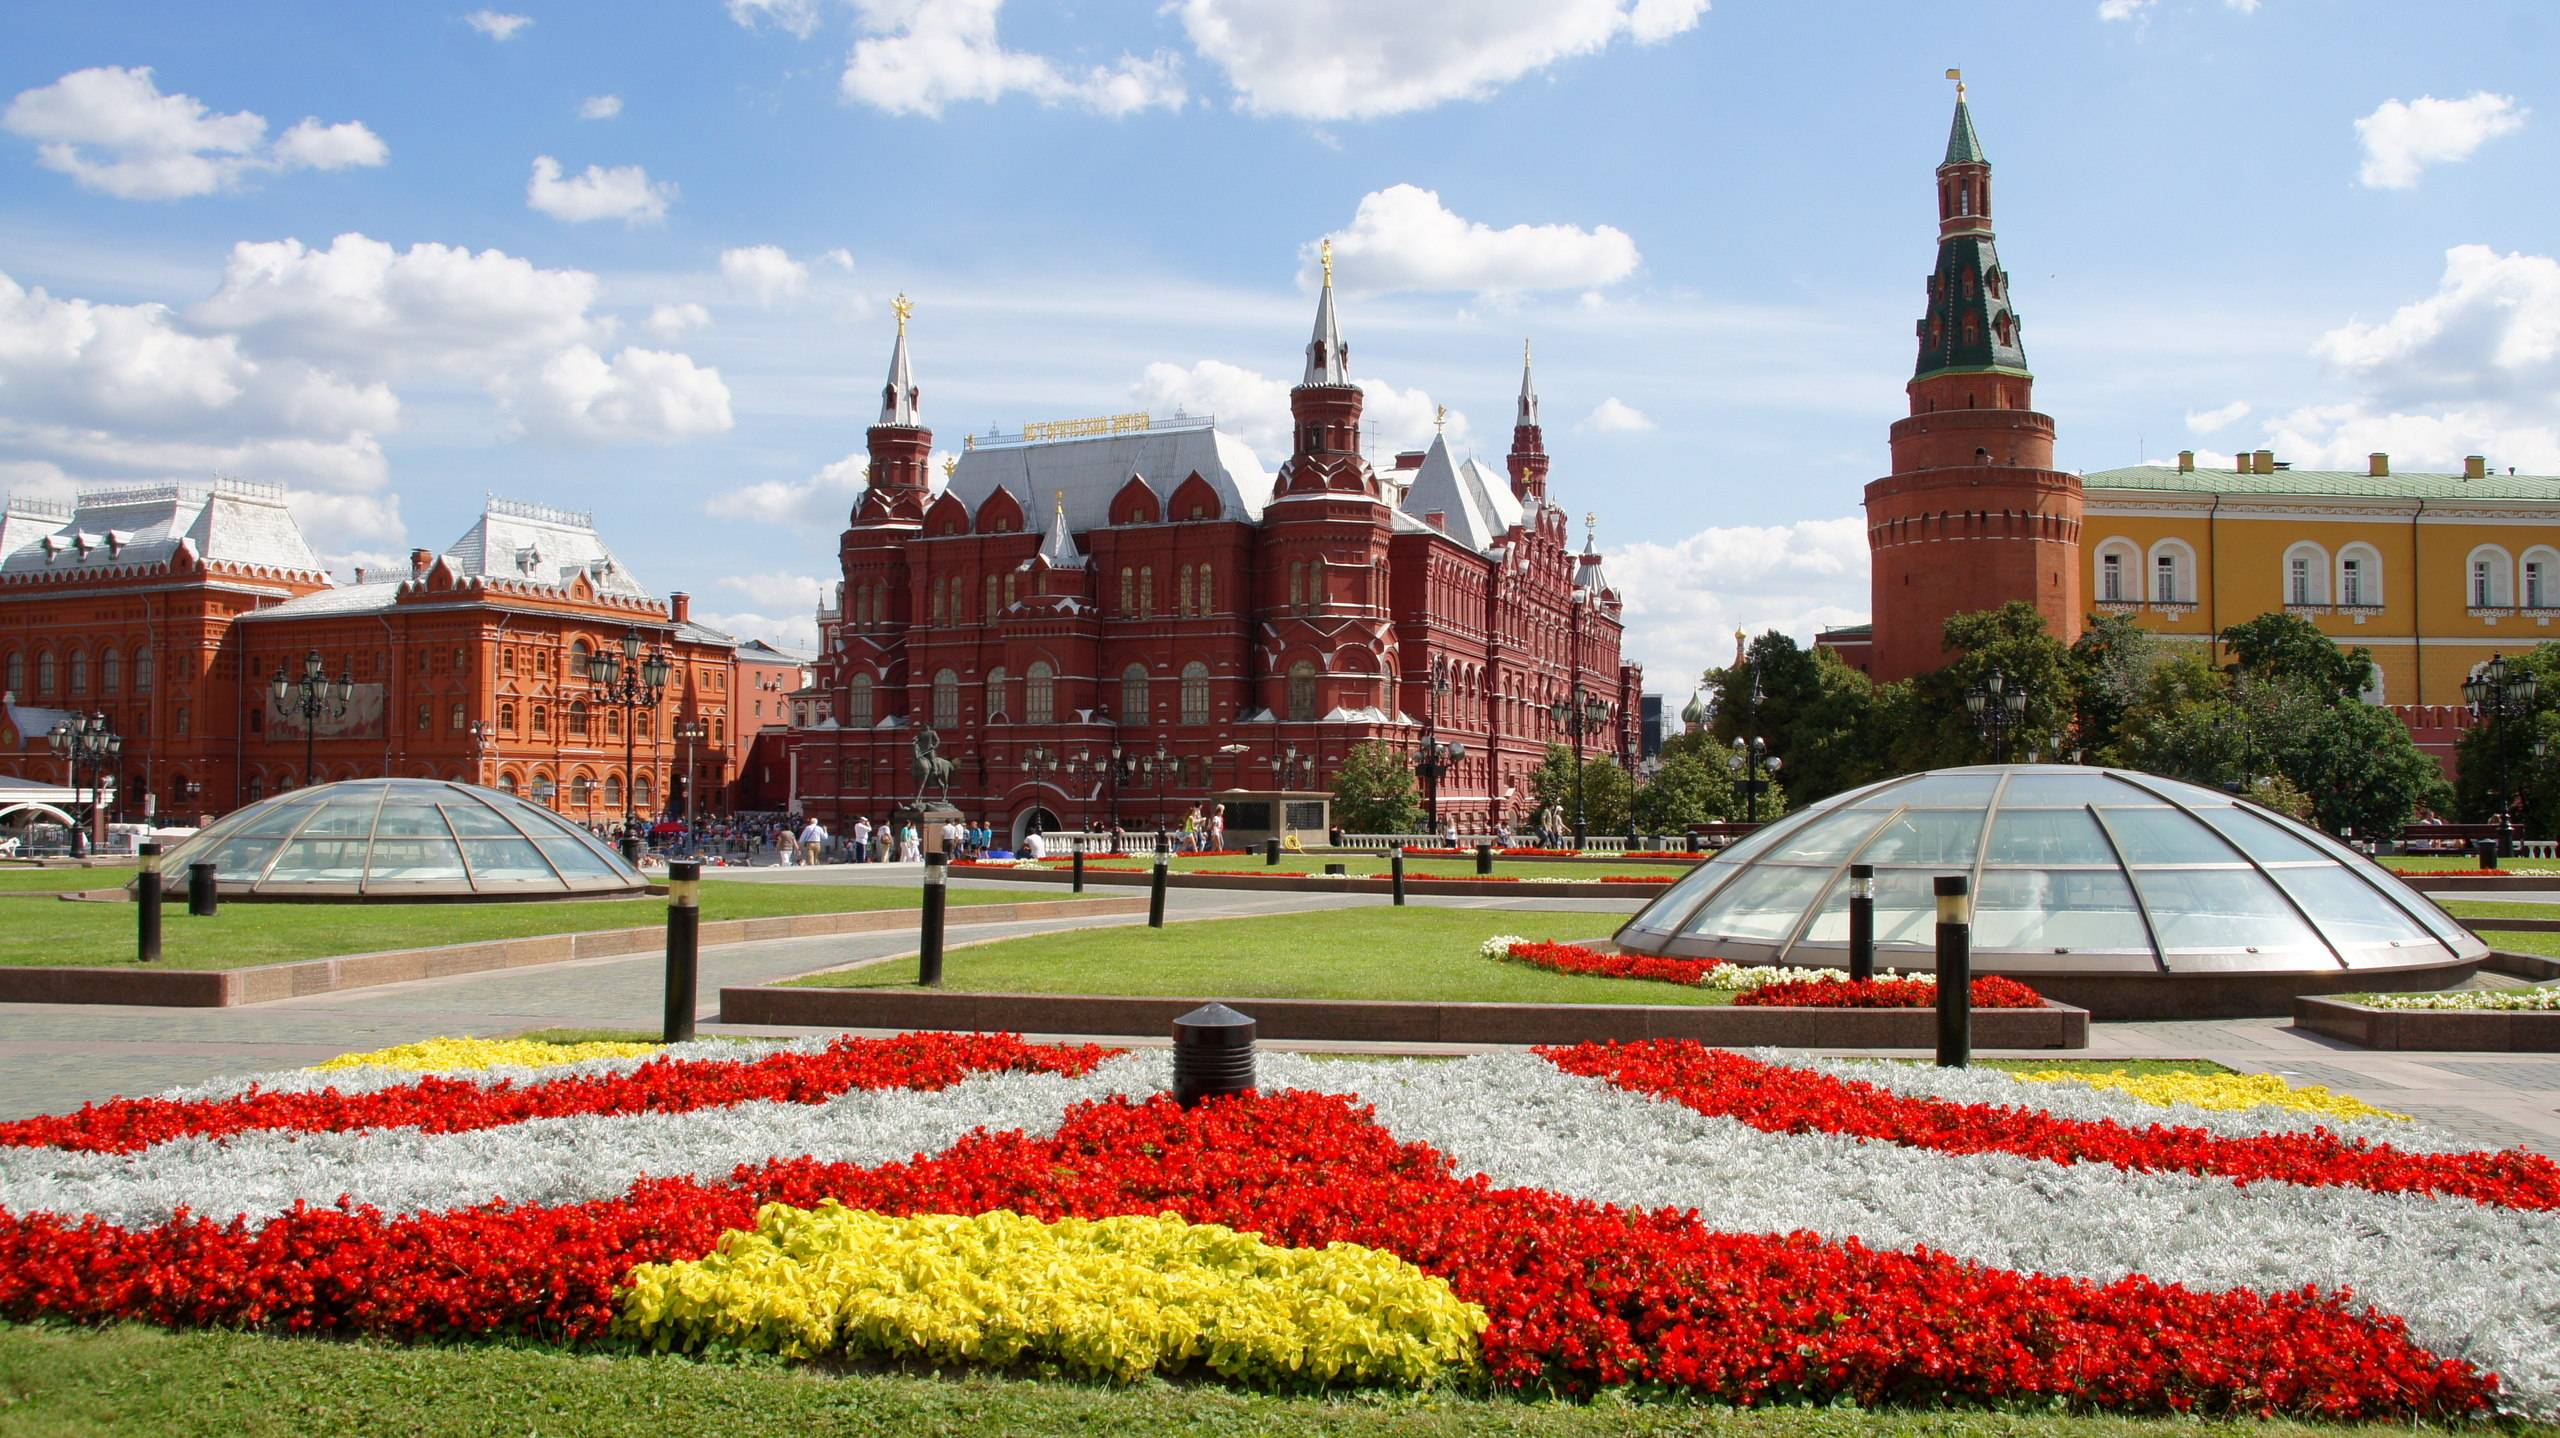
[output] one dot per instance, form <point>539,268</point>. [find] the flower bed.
<point>1758,985</point>
<point>1838,991</point>
<point>1636,879</point>
<point>2545,999</point>
<point>2221,1093</point>
<point>1565,1223</point>
<point>1576,959</point>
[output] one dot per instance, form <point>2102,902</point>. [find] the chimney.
<point>2377,464</point>
<point>2186,461</point>
<point>2475,466</point>
<point>359,574</point>
<point>419,561</point>
<point>2264,462</point>
<point>1410,458</point>
<point>680,607</point>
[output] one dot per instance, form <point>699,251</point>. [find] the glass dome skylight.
<point>2074,871</point>
<point>403,839</point>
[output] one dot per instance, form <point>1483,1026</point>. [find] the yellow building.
<point>2432,572</point>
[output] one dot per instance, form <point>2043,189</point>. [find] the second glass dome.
<point>403,839</point>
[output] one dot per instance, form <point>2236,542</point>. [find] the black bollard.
<point>1395,863</point>
<point>1078,866</point>
<point>1155,891</point>
<point>684,948</point>
<point>1696,843</point>
<point>146,902</point>
<point>1271,853</point>
<point>1862,921</point>
<point>2488,853</point>
<point>1212,1054</point>
<point>1484,859</point>
<point>1955,973</point>
<point>202,897</point>
<point>1162,844</point>
<point>929,950</point>
<point>1337,871</point>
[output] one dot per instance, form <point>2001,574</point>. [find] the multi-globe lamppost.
<point>309,696</point>
<point>1753,767</point>
<point>1998,708</point>
<point>1579,713</point>
<point>633,681</point>
<point>2498,691</point>
<point>1432,758</point>
<point>87,746</point>
<point>690,732</point>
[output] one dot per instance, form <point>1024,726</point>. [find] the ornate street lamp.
<point>1579,714</point>
<point>2497,692</point>
<point>1291,769</point>
<point>633,680</point>
<point>690,732</point>
<point>310,696</point>
<point>1754,769</point>
<point>1432,758</point>
<point>1998,708</point>
<point>86,746</point>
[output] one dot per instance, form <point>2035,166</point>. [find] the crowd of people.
<point>795,839</point>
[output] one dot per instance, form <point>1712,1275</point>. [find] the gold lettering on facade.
<point>1049,429</point>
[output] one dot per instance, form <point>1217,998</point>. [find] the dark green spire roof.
<point>1963,146</point>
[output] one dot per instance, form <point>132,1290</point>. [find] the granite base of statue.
<point>928,815</point>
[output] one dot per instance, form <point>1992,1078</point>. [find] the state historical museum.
<point>1119,619</point>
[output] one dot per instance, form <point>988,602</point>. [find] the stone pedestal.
<point>928,817</point>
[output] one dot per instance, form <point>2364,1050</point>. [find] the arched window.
<point>1208,592</point>
<point>582,792</point>
<point>1040,694</point>
<point>938,607</point>
<point>44,672</point>
<point>995,710</point>
<point>2173,573</point>
<point>2492,578</point>
<point>946,700</point>
<point>142,671</point>
<point>613,791</point>
<point>959,599</point>
<point>858,702</point>
<point>1302,692</point>
<point>506,718</point>
<point>2306,574</point>
<point>458,719</point>
<point>2360,576</point>
<point>507,782</point>
<point>1182,592</point>
<point>990,609</point>
<point>2541,577</point>
<point>79,671</point>
<point>1298,586</point>
<point>579,654</point>
<point>1128,590</point>
<point>640,792</point>
<point>110,670</point>
<point>17,681</point>
<point>1133,695</point>
<point>1008,589</point>
<point>1195,693</point>
<point>1146,591</point>
<point>578,720</point>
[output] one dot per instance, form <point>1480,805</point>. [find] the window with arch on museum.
<point>946,700</point>
<point>457,719</point>
<point>1182,591</point>
<point>1040,694</point>
<point>2353,580</point>
<point>1009,591</point>
<point>79,671</point>
<point>506,718</point>
<point>990,607</point>
<point>578,656</point>
<point>507,784</point>
<point>580,720</point>
<point>541,720</point>
<point>1128,589</point>
<point>1195,693</point>
<point>2491,581</point>
<point>582,791</point>
<point>2164,579</point>
<point>640,792</point>
<point>426,718</point>
<point>1146,591</point>
<point>1302,692</point>
<point>995,709</point>
<point>858,701</point>
<point>613,791</point>
<point>2111,578</point>
<point>1208,591</point>
<point>142,671</point>
<point>938,608</point>
<point>1134,702</point>
<point>180,721</point>
<point>613,723</point>
<point>17,681</point>
<point>506,661</point>
<point>44,672</point>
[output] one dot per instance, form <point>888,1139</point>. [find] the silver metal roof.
<point>1092,470</point>
<point>540,544</point>
<point>345,599</point>
<point>1476,504</point>
<point>225,522</point>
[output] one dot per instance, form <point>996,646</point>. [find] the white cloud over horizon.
<point>765,274</point>
<point>1254,407</point>
<point>624,193</point>
<point>1685,598</point>
<point>497,25</point>
<point>600,107</point>
<point>112,130</point>
<point>2402,138</point>
<point>1404,238</point>
<point>918,57</point>
<point>2221,417</point>
<point>1615,416</point>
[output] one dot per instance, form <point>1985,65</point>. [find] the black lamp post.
<point>87,746</point>
<point>1998,708</point>
<point>1432,758</point>
<point>1578,714</point>
<point>310,696</point>
<point>2497,692</point>
<point>633,681</point>
<point>690,732</point>
<point>1754,768</point>
<point>1291,769</point>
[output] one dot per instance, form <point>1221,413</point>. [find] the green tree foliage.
<point>1606,790</point>
<point>2110,663</point>
<point>1374,792</point>
<point>1933,729</point>
<point>1692,787</point>
<point>1820,717</point>
<point>2287,647</point>
<point>2500,771</point>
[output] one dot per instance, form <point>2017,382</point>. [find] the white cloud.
<point>111,130</point>
<point>786,592</point>
<point>496,25</point>
<point>599,107</point>
<point>1255,407</point>
<point>2122,9</point>
<point>823,501</point>
<point>1404,238</point>
<point>2401,139</point>
<point>1616,415</point>
<point>798,18</point>
<point>918,56</point>
<point>1332,60</point>
<point>623,193</point>
<point>431,307</point>
<point>787,631</point>
<point>764,273</point>
<point>1684,599</point>
<point>670,321</point>
<point>1404,419</point>
<point>640,394</point>
<point>840,257</point>
<point>2206,421</point>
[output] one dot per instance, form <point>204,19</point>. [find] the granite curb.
<point>2430,1030</point>
<point>1319,884</point>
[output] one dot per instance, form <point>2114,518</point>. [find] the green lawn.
<point>2465,862</point>
<point>1377,864</point>
<point>38,931</point>
<point>133,1382</point>
<point>17,880</point>
<point>1418,954</point>
<point>2517,942</point>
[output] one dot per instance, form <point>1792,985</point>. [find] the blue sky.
<point>636,257</point>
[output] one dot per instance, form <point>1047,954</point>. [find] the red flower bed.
<point>1989,992</point>
<point>1660,854</point>
<point>1637,878</point>
<point>1580,1295</point>
<point>1456,878</point>
<point>1790,1100</point>
<point>2473,873</point>
<point>1258,873</point>
<point>1576,959</point>
<point>436,1104</point>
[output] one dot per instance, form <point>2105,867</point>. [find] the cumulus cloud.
<point>112,130</point>
<point>1289,57</point>
<point>1255,407</point>
<point>790,593</point>
<point>1404,238</point>
<point>2401,139</point>
<point>2122,9</point>
<point>671,321</point>
<point>496,25</point>
<point>430,307</point>
<point>599,107</point>
<point>798,18</point>
<point>764,273</point>
<point>819,504</point>
<point>1684,599</point>
<point>840,257</point>
<point>784,631</point>
<point>918,56</point>
<point>1616,415</point>
<point>2206,421</point>
<point>640,394</point>
<point>624,193</point>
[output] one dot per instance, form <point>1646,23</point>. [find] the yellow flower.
<point>2217,1091</point>
<point>1112,1297</point>
<point>466,1055</point>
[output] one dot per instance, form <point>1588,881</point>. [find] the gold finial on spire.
<point>1524,354</point>
<point>1324,257</point>
<point>969,441</point>
<point>950,466</point>
<point>904,308</point>
<point>1958,77</point>
<point>1590,526</point>
<point>1061,497</point>
<point>1439,419</point>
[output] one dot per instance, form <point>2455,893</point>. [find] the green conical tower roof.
<point>1963,146</point>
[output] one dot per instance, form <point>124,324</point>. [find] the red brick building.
<point>170,609</point>
<point>1122,618</point>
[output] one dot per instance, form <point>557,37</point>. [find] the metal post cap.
<point>1214,1026</point>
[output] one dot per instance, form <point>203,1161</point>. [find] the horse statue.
<point>930,768</point>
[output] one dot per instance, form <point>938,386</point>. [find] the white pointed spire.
<point>898,397</point>
<point>1528,415</point>
<point>1059,549</point>
<point>1327,360</point>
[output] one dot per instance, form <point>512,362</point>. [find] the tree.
<point>1374,791</point>
<point>1820,717</point>
<point>1606,790</point>
<point>2277,645</point>
<point>1692,787</point>
<point>1926,723</point>
<point>2110,662</point>
<point>2500,771</point>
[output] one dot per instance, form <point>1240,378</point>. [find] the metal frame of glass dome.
<point>404,839</point>
<point>2075,871</point>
